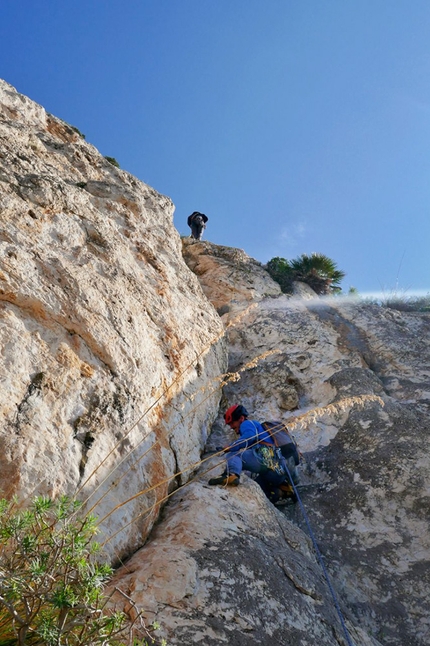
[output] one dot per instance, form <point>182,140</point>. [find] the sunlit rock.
<point>108,343</point>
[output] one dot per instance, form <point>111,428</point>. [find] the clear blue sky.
<point>295,125</point>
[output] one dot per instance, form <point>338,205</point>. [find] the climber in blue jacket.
<point>247,452</point>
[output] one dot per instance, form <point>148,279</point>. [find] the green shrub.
<point>317,270</point>
<point>281,272</point>
<point>112,161</point>
<point>51,584</point>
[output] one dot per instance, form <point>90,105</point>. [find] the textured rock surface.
<point>216,554</point>
<point>99,317</point>
<point>225,567</point>
<point>366,470</point>
<point>230,279</point>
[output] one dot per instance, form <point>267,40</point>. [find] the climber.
<point>197,222</point>
<point>254,451</point>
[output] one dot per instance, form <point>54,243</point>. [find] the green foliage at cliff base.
<point>51,581</point>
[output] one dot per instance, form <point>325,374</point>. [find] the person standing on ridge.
<point>197,223</point>
<point>245,452</point>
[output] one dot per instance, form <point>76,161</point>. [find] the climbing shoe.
<point>286,489</point>
<point>231,480</point>
<point>287,492</point>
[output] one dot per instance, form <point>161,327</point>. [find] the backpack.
<point>283,440</point>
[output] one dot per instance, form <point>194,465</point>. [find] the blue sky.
<point>296,126</point>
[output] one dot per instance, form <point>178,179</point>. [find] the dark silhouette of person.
<point>197,223</point>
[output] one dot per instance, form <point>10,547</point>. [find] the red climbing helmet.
<point>234,412</point>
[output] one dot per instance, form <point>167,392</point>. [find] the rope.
<point>192,467</point>
<point>320,560</point>
<point>303,510</point>
<point>223,379</point>
<point>168,479</point>
<point>159,502</point>
<point>200,462</point>
<point>273,431</point>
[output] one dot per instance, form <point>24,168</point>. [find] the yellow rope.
<point>226,378</point>
<point>232,323</point>
<point>306,418</point>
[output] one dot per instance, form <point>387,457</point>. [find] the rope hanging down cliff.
<point>321,561</point>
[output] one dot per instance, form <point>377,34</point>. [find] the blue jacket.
<point>250,432</point>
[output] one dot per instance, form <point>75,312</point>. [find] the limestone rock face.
<point>367,461</point>
<point>231,280</point>
<point>109,345</point>
<point>225,567</point>
<point>112,363</point>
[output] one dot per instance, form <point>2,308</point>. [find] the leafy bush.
<point>317,270</point>
<point>51,585</point>
<point>112,161</point>
<point>280,270</point>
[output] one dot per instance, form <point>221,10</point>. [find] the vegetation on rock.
<point>404,303</point>
<point>78,132</point>
<point>317,270</point>
<point>51,583</point>
<point>112,161</point>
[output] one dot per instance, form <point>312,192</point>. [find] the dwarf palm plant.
<point>317,270</point>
